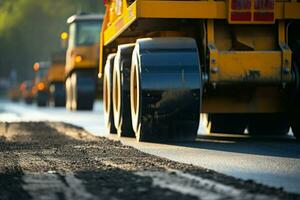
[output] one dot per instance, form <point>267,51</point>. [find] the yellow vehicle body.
<point>56,72</point>
<point>251,54</point>
<point>82,56</point>
<point>114,25</point>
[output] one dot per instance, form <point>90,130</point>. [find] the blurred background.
<point>30,30</point>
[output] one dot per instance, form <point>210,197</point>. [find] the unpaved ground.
<point>43,160</point>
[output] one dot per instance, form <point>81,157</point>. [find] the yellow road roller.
<point>82,60</point>
<point>56,79</point>
<point>165,63</point>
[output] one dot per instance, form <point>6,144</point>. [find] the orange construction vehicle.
<point>56,79</point>
<point>165,62</point>
<point>82,60</point>
<point>41,82</point>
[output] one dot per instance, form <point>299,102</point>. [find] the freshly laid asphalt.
<point>273,161</point>
<point>57,161</point>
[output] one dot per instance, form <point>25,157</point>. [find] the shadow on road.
<point>276,146</point>
<point>11,185</point>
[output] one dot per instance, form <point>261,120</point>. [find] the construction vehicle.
<point>14,93</point>
<point>82,59</point>
<point>41,82</point>
<point>165,62</point>
<point>27,90</point>
<point>56,79</point>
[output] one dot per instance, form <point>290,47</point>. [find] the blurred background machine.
<point>41,82</point>
<point>28,91</point>
<point>82,60</point>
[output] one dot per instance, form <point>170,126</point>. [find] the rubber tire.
<point>42,98</point>
<point>15,99</point>
<point>57,94</point>
<point>121,91</point>
<point>83,84</point>
<point>268,124</point>
<point>228,123</point>
<point>107,95</point>
<point>28,101</point>
<point>165,101</point>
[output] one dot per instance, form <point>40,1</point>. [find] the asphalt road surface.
<point>272,161</point>
<point>56,161</point>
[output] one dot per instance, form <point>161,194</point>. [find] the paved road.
<point>58,161</point>
<point>271,161</point>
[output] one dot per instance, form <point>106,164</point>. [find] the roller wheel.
<point>41,98</point>
<point>228,123</point>
<point>68,93</point>
<point>28,101</point>
<point>57,94</point>
<point>121,90</point>
<point>83,84</point>
<point>107,94</point>
<point>166,89</point>
<point>268,124</point>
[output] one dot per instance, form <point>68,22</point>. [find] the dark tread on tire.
<point>57,94</point>
<point>42,99</point>
<point>83,89</point>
